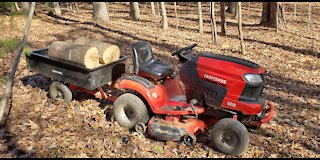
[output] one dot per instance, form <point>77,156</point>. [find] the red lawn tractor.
<point>221,93</point>
<point>218,93</point>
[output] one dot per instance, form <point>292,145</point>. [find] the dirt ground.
<point>41,127</point>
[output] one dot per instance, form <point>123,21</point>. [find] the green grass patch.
<point>159,149</point>
<point>11,44</point>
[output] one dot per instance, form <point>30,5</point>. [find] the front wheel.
<point>129,109</point>
<point>229,136</point>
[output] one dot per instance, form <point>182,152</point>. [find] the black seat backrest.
<point>142,54</point>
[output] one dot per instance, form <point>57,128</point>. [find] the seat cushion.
<point>155,70</point>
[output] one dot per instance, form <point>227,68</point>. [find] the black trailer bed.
<point>73,73</point>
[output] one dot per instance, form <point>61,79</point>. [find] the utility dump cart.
<point>71,76</point>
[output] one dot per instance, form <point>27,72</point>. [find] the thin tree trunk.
<point>107,8</point>
<point>9,85</point>
<point>175,11</point>
<point>134,11</point>
<point>213,24</point>
<point>158,8</point>
<point>25,6</point>
<point>200,18</point>
<point>223,18</point>
<point>309,16</point>
<point>295,11</point>
<point>153,11</point>
<point>16,5</point>
<point>57,10</point>
<point>240,28</point>
<point>164,16</point>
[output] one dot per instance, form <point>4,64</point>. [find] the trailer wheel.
<point>129,109</point>
<point>229,136</point>
<point>60,91</point>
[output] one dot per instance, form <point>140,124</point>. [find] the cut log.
<point>108,52</point>
<point>85,55</point>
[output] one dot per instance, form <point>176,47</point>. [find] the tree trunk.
<point>134,11</point>
<point>57,10</point>
<point>16,5</point>
<point>100,12</point>
<point>85,55</point>
<point>164,16</point>
<point>223,18</point>
<point>309,16</point>
<point>153,11</point>
<point>273,15</point>
<point>232,8</point>
<point>175,12</point>
<point>8,89</point>
<point>107,52</point>
<point>200,17</point>
<point>213,24</point>
<point>25,6</point>
<point>240,28</point>
<point>158,8</point>
<point>295,11</point>
<point>107,8</point>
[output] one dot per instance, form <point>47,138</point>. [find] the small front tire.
<point>229,136</point>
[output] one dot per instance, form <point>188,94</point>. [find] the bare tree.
<point>223,18</point>
<point>134,11</point>
<point>107,8</point>
<point>158,8</point>
<point>16,5</point>
<point>25,6</point>
<point>175,12</point>
<point>309,16</point>
<point>240,28</point>
<point>164,16</point>
<point>295,11</point>
<point>100,12</point>
<point>232,8</point>
<point>213,24</point>
<point>200,17</point>
<point>9,85</point>
<point>273,15</point>
<point>153,11</point>
<point>57,9</point>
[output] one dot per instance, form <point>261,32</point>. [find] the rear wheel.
<point>229,136</point>
<point>60,91</point>
<point>129,110</point>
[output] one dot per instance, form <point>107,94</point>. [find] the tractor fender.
<point>141,85</point>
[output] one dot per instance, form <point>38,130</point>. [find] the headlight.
<point>253,78</point>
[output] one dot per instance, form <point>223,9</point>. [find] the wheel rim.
<point>129,112</point>
<point>60,93</point>
<point>229,139</point>
<point>188,140</point>
<point>140,128</point>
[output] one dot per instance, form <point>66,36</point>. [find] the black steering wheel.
<point>182,52</point>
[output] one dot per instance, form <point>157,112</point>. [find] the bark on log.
<point>107,52</point>
<point>81,54</point>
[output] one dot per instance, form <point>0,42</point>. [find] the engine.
<point>223,81</point>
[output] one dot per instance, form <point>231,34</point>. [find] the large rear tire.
<point>229,136</point>
<point>60,91</point>
<point>129,109</point>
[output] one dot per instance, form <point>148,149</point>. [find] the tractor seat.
<point>145,65</point>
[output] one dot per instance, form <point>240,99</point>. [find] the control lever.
<point>192,103</point>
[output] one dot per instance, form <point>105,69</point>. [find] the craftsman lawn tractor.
<point>219,93</point>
